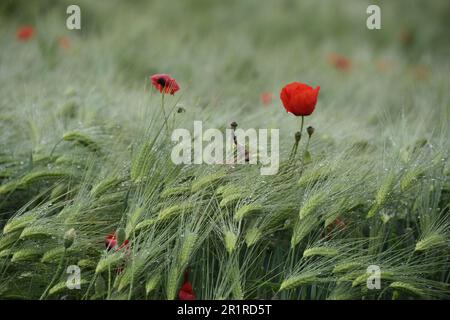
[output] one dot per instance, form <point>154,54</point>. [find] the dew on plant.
<point>87,176</point>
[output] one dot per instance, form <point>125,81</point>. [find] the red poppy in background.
<point>420,72</point>
<point>111,242</point>
<point>406,37</point>
<point>384,65</point>
<point>186,292</point>
<point>299,98</point>
<point>64,42</point>
<point>340,62</point>
<point>164,83</point>
<point>266,98</point>
<point>25,33</point>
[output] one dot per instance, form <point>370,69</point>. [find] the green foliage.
<point>86,146</point>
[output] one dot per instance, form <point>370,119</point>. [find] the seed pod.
<point>142,162</point>
<point>152,283</point>
<point>172,283</point>
<point>110,260</point>
<point>362,279</point>
<point>312,203</point>
<point>6,253</point>
<point>347,267</point>
<point>302,228</point>
<point>105,185</point>
<point>431,241</point>
<point>26,254</point>
<point>132,221</point>
<point>8,239</point>
<point>231,200</point>
<point>230,240</point>
<point>37,231</point>
<point>187,247</point>
<point>314,175</point>
<point>174,192</point>
<point>252,236</point>
<point>81,139</point>
<point>145,224</point>
<point>383,194</point>
<point>247,210</point>
<point>320,251</point>
<point>407,288</point>
<point>207,181</point>
<point>19,222</point>
<point>174,210</point>
<point>9,187</point>
<point>45,175</point>
<point>53,255</point>
<point>296,281</point>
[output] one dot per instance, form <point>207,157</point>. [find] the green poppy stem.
<point>164,112</point>
<point>301,126</point>
<point>298,136</point>
<point>307,145</point>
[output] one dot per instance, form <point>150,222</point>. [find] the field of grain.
<point>93,207</point>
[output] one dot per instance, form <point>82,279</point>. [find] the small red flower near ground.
<point>266,98</point>
<point>384,65</point>
<point>406,37</point>
<point>299,99</point>
<point>337,225</point>
<point>340,62</point>
<point>64,43</point>
<point>164,83</point>
<point>186,292</point>
<point>420,72</point>
<point>25,33</point>
<point>111,242</point>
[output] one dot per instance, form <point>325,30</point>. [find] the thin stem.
<point>295,148</point>
<point>301,126</point>
<point>307,146</point>
<point>164,112</point>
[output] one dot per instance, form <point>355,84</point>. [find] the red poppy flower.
<point>186,292</point>
<point>25,33</point>
<point>299,99</point>
<point>339,62</point>
<point>111,242</point>
<point>266,98</point>
<point>164,83</point>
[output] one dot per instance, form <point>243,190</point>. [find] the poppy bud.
<point>298,136</point>
<point>233,125</point>
<point>310,131</point>
<point>69,237</point>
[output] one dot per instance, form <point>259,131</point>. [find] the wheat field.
<point>85,158</point>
